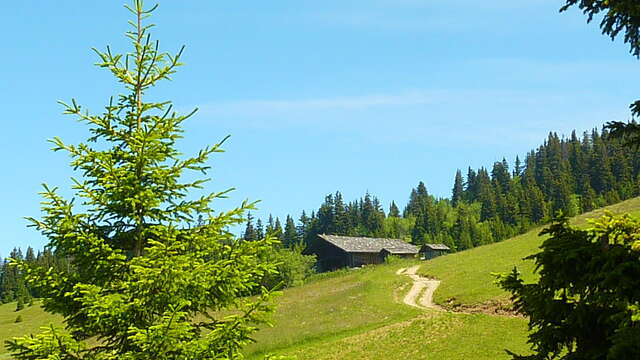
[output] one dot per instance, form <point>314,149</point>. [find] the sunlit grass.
<point>337,306</point>
<point>433,336</point>
<point>33,318</point>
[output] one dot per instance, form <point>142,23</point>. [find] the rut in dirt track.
<point>421,285</point>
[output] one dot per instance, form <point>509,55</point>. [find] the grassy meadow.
<point>335,307</point>
<point>359,313</point>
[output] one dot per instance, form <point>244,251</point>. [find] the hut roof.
<point>396,250</point>
<point>436,246</point>
<point>370,245</point>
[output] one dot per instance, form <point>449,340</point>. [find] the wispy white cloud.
<point>524,98</point>
<point>361,102</point>
<point>472,117</point>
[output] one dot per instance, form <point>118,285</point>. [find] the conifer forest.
<point>572,175</point>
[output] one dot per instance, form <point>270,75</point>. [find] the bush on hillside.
<point>20,304</point>
<point>293,268</point>
<point>392,259</point>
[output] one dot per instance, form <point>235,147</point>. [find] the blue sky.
<point>319,96</point>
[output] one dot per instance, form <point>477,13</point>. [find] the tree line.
<point>571,175</point>
<point>13,286</point>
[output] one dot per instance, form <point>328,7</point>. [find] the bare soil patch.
<point>502,307</point>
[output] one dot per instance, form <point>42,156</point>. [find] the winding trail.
<point>421,285</point>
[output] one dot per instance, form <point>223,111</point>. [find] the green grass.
<point>33,319</point>
<point>334,307</point>
<point>466,276</point>
<point>433,336</point>
<point>358,315</point>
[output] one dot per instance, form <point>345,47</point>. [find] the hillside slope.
<point>33,318</point>
<point>359,314</point>
<point>466,276</point>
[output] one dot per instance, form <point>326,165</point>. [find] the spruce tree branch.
<point>139,59</point>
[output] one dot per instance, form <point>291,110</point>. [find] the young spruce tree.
<point>143,283</point>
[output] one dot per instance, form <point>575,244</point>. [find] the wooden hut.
<point>429,251</point>
<point>335,252</point>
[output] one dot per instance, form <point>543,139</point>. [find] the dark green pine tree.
<point>354,213</point>
<point>13,285</point>
<point>326,217</point>
<point>7,282</point>
<point>259,230</point>
<point>303,228</point>
<point>588,197</point>
<point>313,229</point>
<point>601,175</point>
<point>461,229</point>
<point>342,225</point>
<point>393,210</point>
<point>277,230</point>
<point>417,199</point>
<point>500,177</point>
<point>528,177</point>
<point>250,233</point>
<point>372,216</point>
<point>517,170</point>
<point>537,204</point>
<point>561,197</point>
<point>30,256</point>
<point>270,225</point>
<point>542,174</point>
<point>621,170</point>
<point>290,236</point>
<point>426,224</point>
<point>419,233</point>
<point>508,208</point>
<point>471,186</point>
<point>486,195</point>
<point>457,193</point>
<point>574,155</point>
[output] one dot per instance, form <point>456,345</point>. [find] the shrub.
<point>392,259</point>
<point>293,268</point>
<point>20,304</point>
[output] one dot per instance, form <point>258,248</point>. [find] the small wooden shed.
<point>430,251</point>
<point>334,251</point>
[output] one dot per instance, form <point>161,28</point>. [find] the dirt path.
<point>421,285</point>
